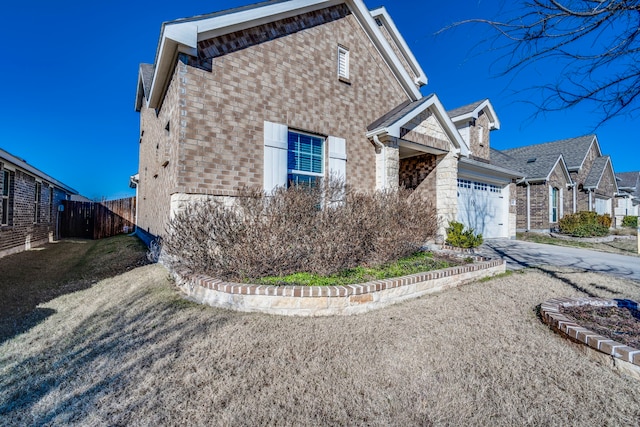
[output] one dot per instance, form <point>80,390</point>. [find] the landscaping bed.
<point>621,324</point>
<point>418,262</point>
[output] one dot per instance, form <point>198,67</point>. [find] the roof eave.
<point>183,36</point>
<point>493,121</point>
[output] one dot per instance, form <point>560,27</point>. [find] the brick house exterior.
<point>28,205</point>
<point>560,177</point>
<point>231,93</point>
<point>486,190</point>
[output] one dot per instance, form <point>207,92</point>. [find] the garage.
<point>483,207</point>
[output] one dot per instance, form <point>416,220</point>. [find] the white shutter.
<point>275,156</point>
<point>338,157</point>
<point>550,204</point>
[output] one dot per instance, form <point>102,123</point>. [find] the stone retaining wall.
<point>332,300</point>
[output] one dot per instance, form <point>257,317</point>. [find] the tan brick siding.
<point>396,50</point>
<point>288,76</point>
<point>479,145</point>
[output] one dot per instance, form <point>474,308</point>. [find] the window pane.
<point>305,153</point>
<point>5,183</point>
<point>5,211</point>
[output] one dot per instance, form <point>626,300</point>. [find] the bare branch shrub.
<point>324,229</point>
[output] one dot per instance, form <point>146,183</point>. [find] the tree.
<point>594,46</point>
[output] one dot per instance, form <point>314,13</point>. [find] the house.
<point>560,177</point>
<point>628,197</point>
<point>29,208</point>
<point>486,190</point>
<point>287,92</point>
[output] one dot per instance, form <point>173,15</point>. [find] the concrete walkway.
<point>519,254</point>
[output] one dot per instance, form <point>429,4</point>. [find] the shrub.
<point>321,229</point>
<point>630,221</point>
<point>460,238</point>
<point>585,224</point>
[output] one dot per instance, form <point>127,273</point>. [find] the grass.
<point>130,351</point>
<point>56,269</point>
<point>617,246</point>
<point>417,263</point>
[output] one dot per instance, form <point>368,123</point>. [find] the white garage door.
<point>482,207</point>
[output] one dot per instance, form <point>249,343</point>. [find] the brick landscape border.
<point>332,300</point>
<point>620,356</point>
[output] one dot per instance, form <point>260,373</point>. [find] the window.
<point>305,159</point>
<point>463,183</point>
<point>343,63</point>
<point>36,212</point>
<point>6,185</point>
<point>553,217</point>
<point>482,186</point>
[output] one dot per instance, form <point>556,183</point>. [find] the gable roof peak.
<point>472,111</point>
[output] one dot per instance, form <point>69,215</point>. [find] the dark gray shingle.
<point>597,170</point>
<point>465,109</point>
<point>397,113</point>
<point>574,150</point>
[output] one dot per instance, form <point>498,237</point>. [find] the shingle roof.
<point>574,150</point>
<point>147,78</point>
<point>628,179</point>
<point>465,109</point>
<point>595,174</point>
<point>397,113</point>
<point>537,167</point>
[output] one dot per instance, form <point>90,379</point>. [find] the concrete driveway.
<point>519,254</point>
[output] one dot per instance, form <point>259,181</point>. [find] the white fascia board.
<point>368,23</point>
<point>20,164</point>
<point>438,110</point>
<point>564,169</point>
<point>382,13</point>
<point>486,104</point>
<point>471,171</point>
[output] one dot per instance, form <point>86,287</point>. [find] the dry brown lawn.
<point>131,351</point>
<point>30,278</point>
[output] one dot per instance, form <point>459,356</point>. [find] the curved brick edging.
<point>627,358</point>
<point>332,300</point>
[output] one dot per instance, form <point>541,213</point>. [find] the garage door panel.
<point>481,207</point>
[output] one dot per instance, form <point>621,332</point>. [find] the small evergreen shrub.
<point>630,221</point>
<point>458,237</point>
<point>585,224</point>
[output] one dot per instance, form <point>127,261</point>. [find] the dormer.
<point>474,122</point>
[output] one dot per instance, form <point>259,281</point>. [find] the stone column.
<point>446,193</point>
<point>387,165</point>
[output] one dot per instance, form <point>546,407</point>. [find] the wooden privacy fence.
<point>97,220</point>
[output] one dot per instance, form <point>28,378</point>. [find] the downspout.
<point>528,205</point>
<point>590,201</point>
<point>380,145</point>
<point>575,197</point>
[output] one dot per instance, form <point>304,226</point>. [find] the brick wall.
<point>284,72</point>
<point>580,176</point>
<point>539,201</point>
<point>414,170</point>
<point>479,140</point>
<point>22,232</point>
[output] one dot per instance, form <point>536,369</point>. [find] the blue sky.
<point>69,72</point>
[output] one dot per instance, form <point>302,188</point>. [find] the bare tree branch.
<point>594,44</point>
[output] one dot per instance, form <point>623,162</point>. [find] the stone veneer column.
<point>387,166</point>
<point>446,193</point>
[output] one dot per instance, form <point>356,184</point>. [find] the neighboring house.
<point>29,205</point>
<point>628,197</point>
<point>560,177</point>
<point>486,190</point>
<point>290,91</point>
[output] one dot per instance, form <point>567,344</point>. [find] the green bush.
<point>630,221</point>
<point>585,224</point>
<point>458,237</point>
